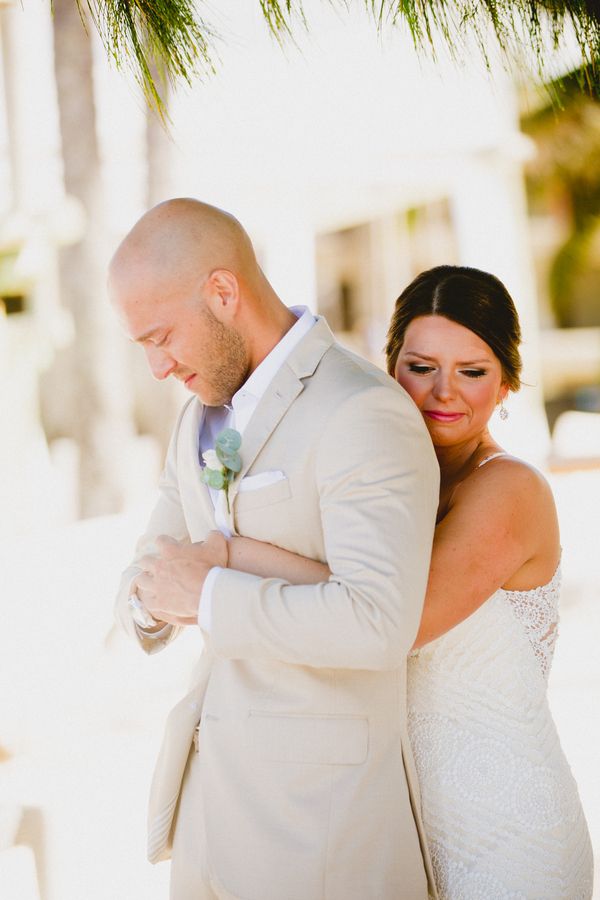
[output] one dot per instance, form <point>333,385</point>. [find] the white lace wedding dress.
<point>500,805</point>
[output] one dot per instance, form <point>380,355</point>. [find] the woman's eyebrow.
<point>470,362</point>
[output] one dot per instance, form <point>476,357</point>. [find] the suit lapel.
<point>269,412</point>
<point>287,384</point>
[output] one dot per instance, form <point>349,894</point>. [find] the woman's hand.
<point>214,551</point>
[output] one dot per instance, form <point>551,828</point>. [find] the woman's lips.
<point>440,416</point>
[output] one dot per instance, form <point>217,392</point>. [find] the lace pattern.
<point>500,806</point>
<point>537,611</point>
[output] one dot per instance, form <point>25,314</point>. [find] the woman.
<point>501,809</point>
<point>500,806</point>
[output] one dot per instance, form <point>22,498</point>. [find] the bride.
<point>500,806</point>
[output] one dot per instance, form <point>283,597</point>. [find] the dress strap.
<point>492,456</point>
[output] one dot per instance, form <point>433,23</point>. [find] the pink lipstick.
<point>438,416</point>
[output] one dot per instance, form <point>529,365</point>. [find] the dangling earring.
<point>503,413</point>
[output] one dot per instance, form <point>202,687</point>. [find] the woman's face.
<point>452,375</point>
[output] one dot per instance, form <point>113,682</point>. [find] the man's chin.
<point>204,394</point>
<point>210,400</point>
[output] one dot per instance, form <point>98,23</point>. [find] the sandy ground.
<point>81,709</point>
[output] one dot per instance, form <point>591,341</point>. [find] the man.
<point>285,773</point>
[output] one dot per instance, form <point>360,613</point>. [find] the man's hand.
<point>171,581</point>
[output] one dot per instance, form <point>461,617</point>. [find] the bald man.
<point>286,773</point>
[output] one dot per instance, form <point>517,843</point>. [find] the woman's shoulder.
<point>514,507</point>
<point>504,467</point>
<point>506,481</point>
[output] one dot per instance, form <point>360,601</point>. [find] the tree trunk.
<point>100,386</point>
<point>156,404</point>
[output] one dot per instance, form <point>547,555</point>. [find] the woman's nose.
<point>161,364</point>
<point>443,386</point>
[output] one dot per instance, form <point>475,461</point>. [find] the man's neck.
<point>266,338</point>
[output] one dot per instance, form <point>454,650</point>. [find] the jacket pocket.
<point>316,740</point>
<point>246,499</point>
<point>262,480</point>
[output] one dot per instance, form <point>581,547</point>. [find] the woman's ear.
<point>503,392</point>
<point>222,294</point>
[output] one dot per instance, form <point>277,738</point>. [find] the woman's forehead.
<point>437,335</point>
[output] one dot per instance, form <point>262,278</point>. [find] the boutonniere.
<point>223,463</point>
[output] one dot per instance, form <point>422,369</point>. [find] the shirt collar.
<point>260,379</point>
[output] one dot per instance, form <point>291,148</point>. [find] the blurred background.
<point>355,163</point>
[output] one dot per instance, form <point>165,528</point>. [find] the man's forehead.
<point>139,312</point>
<point>129,268</point>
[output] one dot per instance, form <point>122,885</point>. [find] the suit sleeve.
<point>378,482</point>
<point>166,518</point>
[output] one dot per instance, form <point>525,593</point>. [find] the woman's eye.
<point>420,370</point>
<point>473,373</point>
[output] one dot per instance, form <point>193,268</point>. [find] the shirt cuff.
<point>153,635</point>
<point>205,608</point>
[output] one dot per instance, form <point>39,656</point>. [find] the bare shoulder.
<point>512,504</point>
<point>510,470</point>
<point>508,480</point>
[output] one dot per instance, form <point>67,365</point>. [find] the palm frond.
<point>161,41</point>
<point>168,36</point>
<point>518,26</point>
<point>280,16</point>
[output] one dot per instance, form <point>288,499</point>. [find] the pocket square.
<point>262,480</point>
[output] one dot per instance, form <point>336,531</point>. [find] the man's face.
<point>181,337</point>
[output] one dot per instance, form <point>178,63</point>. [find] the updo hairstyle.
<point>472,298</point>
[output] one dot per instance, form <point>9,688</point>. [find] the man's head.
<point>186,286</point>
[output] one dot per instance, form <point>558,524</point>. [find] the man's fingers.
<point>153,607</point>
<point>147,564</point>
<point>166,545</point>
<point>145,594</point>
<point>146,584</point>
<point>172,619</point>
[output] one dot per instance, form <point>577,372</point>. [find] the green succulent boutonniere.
<point>223,463</point>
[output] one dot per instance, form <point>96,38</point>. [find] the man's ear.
<point>222,294</point>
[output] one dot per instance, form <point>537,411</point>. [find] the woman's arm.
<point>268,561</point>
<point>262,559</point>
<point>501,531</point>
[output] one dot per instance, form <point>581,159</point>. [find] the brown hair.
<point>472,298</point>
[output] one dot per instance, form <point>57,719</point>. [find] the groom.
<point>286,773</point>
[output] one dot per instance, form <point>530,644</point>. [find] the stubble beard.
<point>229,362</point>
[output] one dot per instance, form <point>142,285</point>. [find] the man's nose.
<point>161,364</point>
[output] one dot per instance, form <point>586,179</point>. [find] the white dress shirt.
<point>237,415</point>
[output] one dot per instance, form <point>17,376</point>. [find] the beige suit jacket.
<point>309,789</point>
